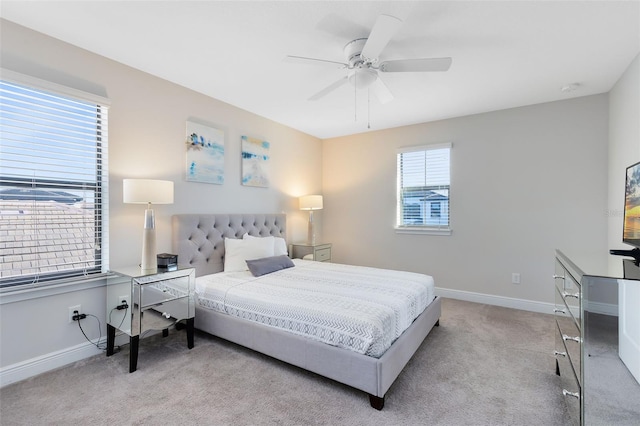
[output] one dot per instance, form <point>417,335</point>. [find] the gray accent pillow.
<point>267,265</point>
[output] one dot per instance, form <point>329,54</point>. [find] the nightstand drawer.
<point>323,255</point>
<point>320,252</point>
<point>163,315</point>
<point>162,291</point>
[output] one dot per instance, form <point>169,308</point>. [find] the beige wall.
<point>523,182</point>
<point>146,139</point>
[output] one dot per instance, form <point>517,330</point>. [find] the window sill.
<point>27,292</point>
<point>422,230</point>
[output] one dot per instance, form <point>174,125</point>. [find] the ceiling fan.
<point>363,64</point>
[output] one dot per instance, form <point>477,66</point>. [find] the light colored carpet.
<point>484,365</point>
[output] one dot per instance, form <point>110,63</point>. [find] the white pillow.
<point>237,252</point>
<point>279,244</point>
<point>280,247</point>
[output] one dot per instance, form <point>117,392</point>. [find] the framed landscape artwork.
<point>255,162</point>
<point>205,153</point>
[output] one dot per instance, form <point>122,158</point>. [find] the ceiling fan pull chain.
<point>355,97</point>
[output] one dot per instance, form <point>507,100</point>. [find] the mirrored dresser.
<point>597,346</point>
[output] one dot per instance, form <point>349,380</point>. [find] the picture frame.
<point>204,153</point>
<point>255,162</point>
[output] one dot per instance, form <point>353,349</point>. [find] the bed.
<point>198,240</point>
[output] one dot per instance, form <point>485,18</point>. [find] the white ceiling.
<point>505,54</point>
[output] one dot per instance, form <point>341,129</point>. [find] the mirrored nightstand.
<point>320,252</point>
<point>137,303</point>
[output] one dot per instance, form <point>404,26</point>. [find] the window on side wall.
<point>53,183</point>
<point>423,189</point>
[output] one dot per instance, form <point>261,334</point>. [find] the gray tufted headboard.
<point>198,239</point>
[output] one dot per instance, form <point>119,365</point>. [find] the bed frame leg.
<point>376,402</point>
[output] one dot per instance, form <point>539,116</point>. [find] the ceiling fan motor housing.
<point>361,74</point>
<point>352,51</point>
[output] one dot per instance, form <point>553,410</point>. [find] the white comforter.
<point>358,308</point>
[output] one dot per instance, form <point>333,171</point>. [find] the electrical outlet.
<point>515,278</point>
<point>125,298</point>
<point>74,308</point>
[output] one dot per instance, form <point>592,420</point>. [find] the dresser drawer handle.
<point>575,339</point>
<point>561,311</point>
<point>573,394</point>
<point>167,315</point>
<point>556,277</point>
<point>576,295</point>
<point>556,353</point>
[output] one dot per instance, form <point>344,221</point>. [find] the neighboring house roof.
<point>45,236</point>
<point>425,195</point>
<point>433,196</point>
<point>28,194</point>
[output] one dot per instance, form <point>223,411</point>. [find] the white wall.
<point>523,182</point>
<point>146,139</point>
<point>624,148</point>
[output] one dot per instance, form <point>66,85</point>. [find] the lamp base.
<point>311,232</point>
<point>149,263</point>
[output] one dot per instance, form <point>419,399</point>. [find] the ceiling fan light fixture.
<point>362,78</point>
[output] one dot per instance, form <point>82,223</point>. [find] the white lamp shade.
<point>311,202</point>
<point>144,191</point>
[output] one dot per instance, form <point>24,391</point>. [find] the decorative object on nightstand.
<point>311,203</point>
<point>139,302</point>
<point>167,262</point>
<point>148,191</point>
<point>319,252</point>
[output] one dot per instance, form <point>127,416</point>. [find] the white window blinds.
<point>423,187</point>
<point>53,186</point>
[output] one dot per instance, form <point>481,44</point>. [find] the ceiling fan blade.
<point>385,28</point>
<point>313,61</point>
<point>330,88</point>
<point>416,65</point>
<point>381,91</point>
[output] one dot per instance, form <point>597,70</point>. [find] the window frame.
<point>420,229</point>
<point>53,282</point>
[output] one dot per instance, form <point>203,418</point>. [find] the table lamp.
<point>148,191</point>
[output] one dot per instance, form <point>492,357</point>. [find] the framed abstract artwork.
<point>205,153</point>
<point>255,162</point>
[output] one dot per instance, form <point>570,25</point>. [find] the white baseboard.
<point>34,366</point>
<point>506,302</point>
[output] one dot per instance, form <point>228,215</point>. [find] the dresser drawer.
<point>571,340</point>
<point>565,306</point>
<point>570,385</point>
<point>568,288</point>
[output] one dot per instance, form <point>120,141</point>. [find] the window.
<point>423,188</point>
<point>53,183</point>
